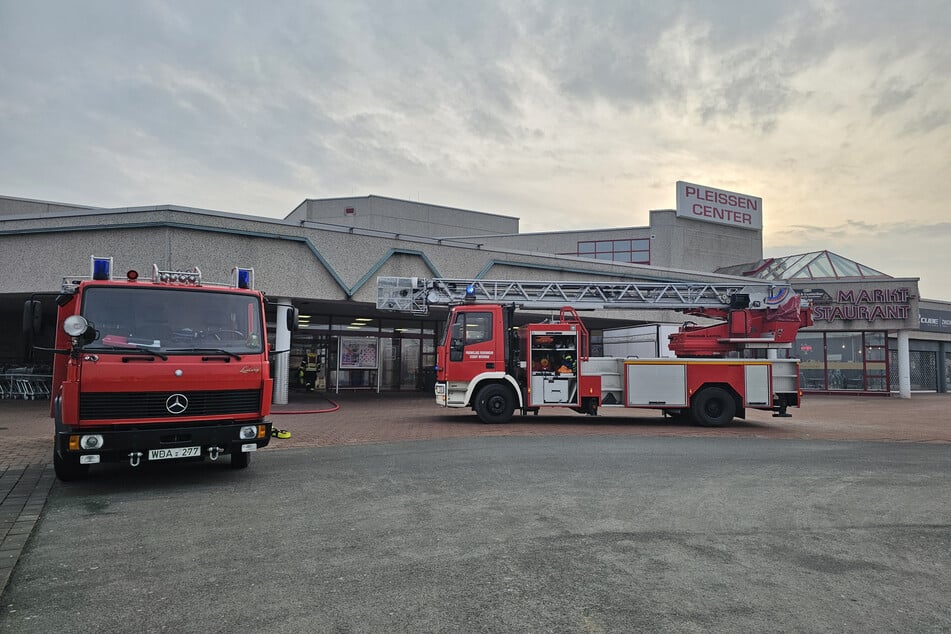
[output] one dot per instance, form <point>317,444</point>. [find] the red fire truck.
<point>156,370</point>
<point>721,369</point>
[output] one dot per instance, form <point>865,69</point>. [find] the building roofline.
<point>403,200</point>
<point>544,233</point>
<point>46,202</point>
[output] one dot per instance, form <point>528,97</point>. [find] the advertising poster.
<point>358,353</point>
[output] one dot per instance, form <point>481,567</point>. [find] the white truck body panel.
<point>641,342</point>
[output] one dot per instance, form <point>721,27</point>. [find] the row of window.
<point>629,250</point>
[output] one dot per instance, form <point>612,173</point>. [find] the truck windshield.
<point>175,319</point>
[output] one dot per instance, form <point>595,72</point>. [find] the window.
<point>468,329</point>
<point>635,250</point>
<point>849,361</point>
<point>177,319</point>
<point>478,327</point>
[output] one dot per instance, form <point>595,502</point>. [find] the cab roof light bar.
<point>186,278</point>
<point>100,269</point>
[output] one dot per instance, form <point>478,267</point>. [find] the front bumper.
<point>119,443</point>
<point>440,392</point>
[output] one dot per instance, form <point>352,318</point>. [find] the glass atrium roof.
<point>810,266</point>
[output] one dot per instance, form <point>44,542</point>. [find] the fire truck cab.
<point>157,370</point>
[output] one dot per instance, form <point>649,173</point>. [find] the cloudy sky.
<point>567,114</point>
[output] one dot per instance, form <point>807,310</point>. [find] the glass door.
<point>409,364</point>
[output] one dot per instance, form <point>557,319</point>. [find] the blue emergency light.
<point>243,278</point>
<point>101,268</point>
<point>470,292</point>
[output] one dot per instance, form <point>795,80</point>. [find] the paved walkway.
<point>322,420</point>
<point>23,492</point>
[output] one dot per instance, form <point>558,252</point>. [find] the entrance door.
<point>409,364</point>
<point>400,364</point>
<point>390,364</point>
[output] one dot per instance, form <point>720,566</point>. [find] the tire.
<point>67,469</point>
<point>240,459</point>
<point>713,407</point>
<point>495,404</point>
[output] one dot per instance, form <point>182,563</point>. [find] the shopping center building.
<point>873,334</point>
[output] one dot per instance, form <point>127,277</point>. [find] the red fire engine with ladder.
<point>490,365</point>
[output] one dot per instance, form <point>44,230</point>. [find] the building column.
<point>282,348</point>
<point>904,365</point>
<point>942,366</point>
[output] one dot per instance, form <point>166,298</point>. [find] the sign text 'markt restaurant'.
<point>865,305</point>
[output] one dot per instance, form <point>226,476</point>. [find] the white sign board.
<point>700,202</point>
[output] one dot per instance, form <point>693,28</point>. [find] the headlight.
<point>75,325</point>
<point>248,432</point>
<point>91,442</point>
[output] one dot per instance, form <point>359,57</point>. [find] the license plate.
<point>174,452</point>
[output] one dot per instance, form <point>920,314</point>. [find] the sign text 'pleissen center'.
<point>700,202</point>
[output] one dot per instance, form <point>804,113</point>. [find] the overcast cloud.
<point>565,114</point>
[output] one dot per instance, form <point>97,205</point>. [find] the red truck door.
<point>475,343</point>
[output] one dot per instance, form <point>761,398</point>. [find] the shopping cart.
<point>23,383</point>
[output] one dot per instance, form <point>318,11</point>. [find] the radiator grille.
<point>114,405</point>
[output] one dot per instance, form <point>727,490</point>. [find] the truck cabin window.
<point>173,319</point>
<point>466,330</point>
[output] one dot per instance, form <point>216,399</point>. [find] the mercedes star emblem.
<point>176,403</point>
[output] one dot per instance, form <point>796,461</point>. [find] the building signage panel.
<point>934,320</point>
<point>699,202</point>
<point>865,304</point>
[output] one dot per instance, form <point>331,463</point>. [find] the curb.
<point>23,491</point>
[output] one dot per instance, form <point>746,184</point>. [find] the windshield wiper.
<point>233,355</point>
<point>133,350</point>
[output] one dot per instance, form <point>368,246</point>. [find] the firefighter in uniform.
<point>310,371</point>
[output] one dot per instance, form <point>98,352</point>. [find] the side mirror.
<point>293,319</point>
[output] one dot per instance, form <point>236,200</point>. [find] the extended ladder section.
<point>415,295</point>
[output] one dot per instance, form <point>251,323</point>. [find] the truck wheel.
<point>240,459</point>
<point>68,470</point>
<point>495,404</point>
<point>713,407</point>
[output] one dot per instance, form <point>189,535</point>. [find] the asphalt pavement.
<point>503,534</point>
<point>386,513</point>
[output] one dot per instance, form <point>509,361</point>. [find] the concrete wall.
<point>700,246</point>
<point>12,206</point>
<point>289,260</point>
<point>560,241</point>
<point>403,217</point>
<point>675,243</point>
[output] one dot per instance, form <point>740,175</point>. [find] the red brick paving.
<point>26,430</point>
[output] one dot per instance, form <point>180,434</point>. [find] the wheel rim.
<point>714,408</point>
<point>495,405</point>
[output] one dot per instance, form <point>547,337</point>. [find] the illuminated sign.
<point>934,320</point>
<point>699,202</point>
<point>865,305</point>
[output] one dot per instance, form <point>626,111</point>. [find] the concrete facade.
<point>403,217</point>
<point>325,260</point>
<point>675,243</point>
